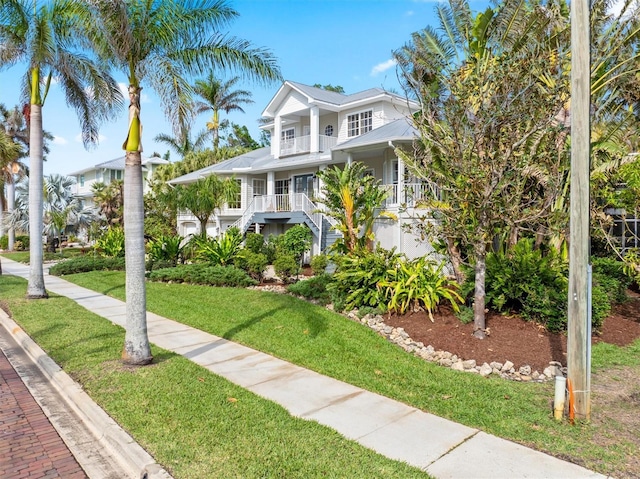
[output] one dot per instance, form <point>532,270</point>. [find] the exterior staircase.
<point>294,208</point>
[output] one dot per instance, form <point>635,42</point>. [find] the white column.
<point>277,137</point>
<point>400,199</point>
<point>349,159</point>
<point>271,183</point>
<point>314,122</point>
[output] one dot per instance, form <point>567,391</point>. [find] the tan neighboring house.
<point>312,129</point>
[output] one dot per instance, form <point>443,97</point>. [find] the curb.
<point>108,433</point>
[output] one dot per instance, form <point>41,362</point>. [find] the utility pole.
<point>578,340</point>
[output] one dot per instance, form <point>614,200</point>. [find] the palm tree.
<point>182,144</point>
<point>162,43</point>
<point>60,207</point>
<point>219,96</point>
<point>13,124</point>
<point>108,199</point>
<point>204,197</point>
<point>353,199</point>
<point>47,36</point>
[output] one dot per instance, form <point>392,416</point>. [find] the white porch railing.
<point>412,194</point>
<point>302,144</point>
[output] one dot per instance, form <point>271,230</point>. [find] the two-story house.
<point>107,172</point>
<point>312,129</point>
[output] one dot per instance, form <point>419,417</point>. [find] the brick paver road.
<point>30,447</point>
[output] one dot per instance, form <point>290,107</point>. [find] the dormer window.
<point>359,123</point>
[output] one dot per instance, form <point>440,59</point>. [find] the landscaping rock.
<point>525,370</point>
<point>469,364</point>
<point>485,370</point>
<point>457,366</point>
<point>496,365</point>
<point>507,366</point>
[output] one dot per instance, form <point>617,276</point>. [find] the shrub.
<point>419,284</point>
<point>357,278</point>
<point>216,275</point>
<point>319,263</point>
<point>525,280</point>
<point>154,265</point>
<point>254,242</point>
<point>295,241</point>
<point>252,263</point>
<point>166,249</point>
<point>313,288</point>
<point>616,276</point>
<point>465,314</point>
<point>21,243</point>
<point>111,243</point>
<point>221,250</point>
<point>270,248</point>
<point>286,267</point>
<point>600,306</point>
<point>4,242</point>
<point>83,264</point>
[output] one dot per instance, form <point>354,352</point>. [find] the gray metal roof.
<point>319,94</point>
<point>398,130</point>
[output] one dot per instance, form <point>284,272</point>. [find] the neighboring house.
<point>106,173</point>
<point>312,129</point>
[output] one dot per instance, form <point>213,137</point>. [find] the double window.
<point>116,175</point>
<point>359,123</point>
<point>237,203</point>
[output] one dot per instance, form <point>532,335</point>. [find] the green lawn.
<point>196,424</point>
<point>315,338</point>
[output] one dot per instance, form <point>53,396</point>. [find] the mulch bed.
<point>511,338</point>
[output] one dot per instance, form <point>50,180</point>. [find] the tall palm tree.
<point>162,44</point>
<point>219,96</point>
<point>182,144</point>
<point>47,36</point>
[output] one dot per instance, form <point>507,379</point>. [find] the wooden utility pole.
<point>578,340</point>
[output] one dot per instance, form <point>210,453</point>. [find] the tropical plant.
<point>162,43</point>
<point>353,199</point>
<point>319,264</point>
<point>221,250</point>
<point>219,95</point>
<point>111,243</point>
<point>109,199</point>
<point>420,283</point>
<point>490,86</point>
<point>60,207</point>
<point>358,276</point>
<point>48,37</point>
<point>166,248</point>
<point>253,263</point>
<point>183,144</point>
<point>206,196</point>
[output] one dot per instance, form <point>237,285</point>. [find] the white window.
<point>359,123</point>
<point>288,134</point>
<point>259,187</point>
<point>237,203</point>
<point>328,130</point>
<point>116,175</point>
<point>282,187</point>
<point>81,181</point>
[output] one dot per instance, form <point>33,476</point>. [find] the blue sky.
<point>338,42</point>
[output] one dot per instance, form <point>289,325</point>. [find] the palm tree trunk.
<point>136,341</point>
<point>35,288</point>
<point>11,202</point>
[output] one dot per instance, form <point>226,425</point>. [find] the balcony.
<point>413,194</point>
<point>302,144</point>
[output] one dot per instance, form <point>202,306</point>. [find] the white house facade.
<point>107,172</point>
<point>312,129</point>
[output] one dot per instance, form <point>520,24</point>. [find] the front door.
<point>303,184</point>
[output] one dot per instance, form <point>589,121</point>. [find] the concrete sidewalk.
<point>440,447</point>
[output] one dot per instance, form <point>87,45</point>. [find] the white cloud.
<point>383,67</point>
<point>58,140</point>
<point>409,13</point>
